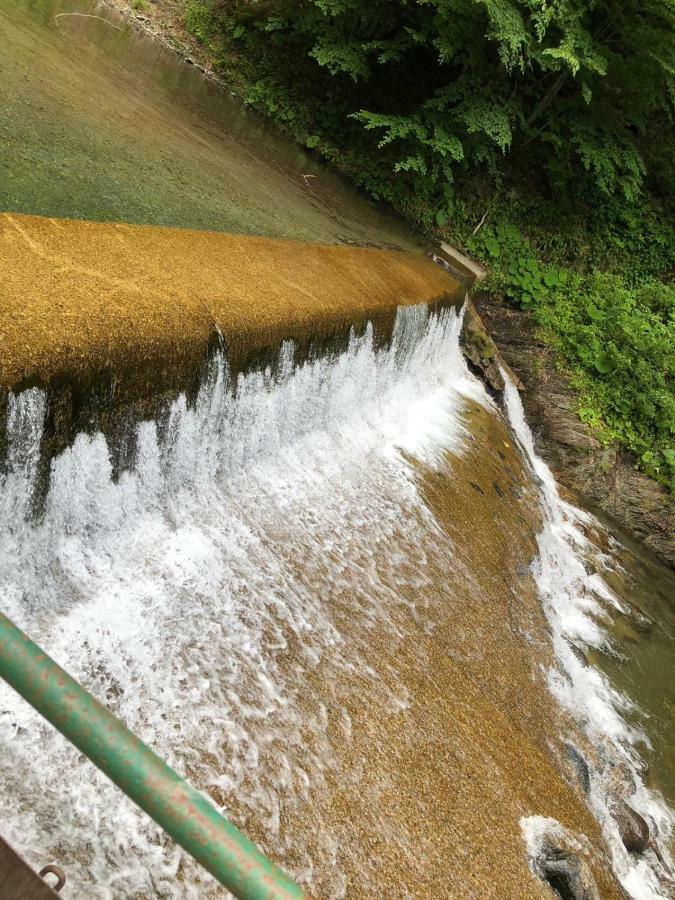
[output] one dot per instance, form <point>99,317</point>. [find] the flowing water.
<point>269,594</point>
<point>344,598</point>
<point>579,602</point>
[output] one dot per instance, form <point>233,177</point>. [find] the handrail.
<point>180,810</point>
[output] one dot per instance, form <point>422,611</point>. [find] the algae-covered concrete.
<point>78,299</point>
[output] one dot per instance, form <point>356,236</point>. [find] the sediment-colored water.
<point>582,585</point>
<point>302,595</point>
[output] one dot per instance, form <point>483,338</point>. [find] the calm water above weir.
<point>344,598</point>
<point>99,122</point>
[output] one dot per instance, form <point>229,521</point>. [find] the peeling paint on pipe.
<point>180,810</point>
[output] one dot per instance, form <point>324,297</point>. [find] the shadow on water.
<point>98,121</point>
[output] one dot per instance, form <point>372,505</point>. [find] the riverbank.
<point>605,475</point>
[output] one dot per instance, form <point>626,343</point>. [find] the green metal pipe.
<point>181,810</point>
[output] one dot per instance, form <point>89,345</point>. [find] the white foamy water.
<point>574,603</point>
<point>201,594</point>
<point>203,597</point>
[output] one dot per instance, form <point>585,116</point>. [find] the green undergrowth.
<point>615,334</point>
<point>536,136</point>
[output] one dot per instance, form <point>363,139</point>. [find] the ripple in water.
<point>200,594</point>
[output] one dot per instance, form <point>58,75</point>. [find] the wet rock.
<point>580,766</point>
<point>619,778</point>
<point>632,827</point>
<point>481,351</point>
<point>567,874</point>
<point>634,831</point>
<point>579,653</point>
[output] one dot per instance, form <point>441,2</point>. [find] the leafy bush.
<point>199,20</point>
<point>623,350</point>
<point>525,279</point>
<point>577,93</point>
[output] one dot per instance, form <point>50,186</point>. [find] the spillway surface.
<point>301,595</point>
<point>78,299</point>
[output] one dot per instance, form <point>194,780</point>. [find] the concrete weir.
<point>113,318</point>
<point>81,297</point>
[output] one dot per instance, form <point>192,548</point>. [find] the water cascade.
<point>299,593</point>
<point>575,598</point>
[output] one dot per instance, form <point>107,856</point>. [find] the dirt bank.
<point>604,475</point>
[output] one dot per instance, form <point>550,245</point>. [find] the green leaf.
<point>492,246</point>
<point>441,218</point>
<point>604,363</point>
<point>312,141</point>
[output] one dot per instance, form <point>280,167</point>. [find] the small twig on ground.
<point>480,224</point>
<point>307,177</point>
<point>87,16</point>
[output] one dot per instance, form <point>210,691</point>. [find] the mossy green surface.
<point>98,122</point>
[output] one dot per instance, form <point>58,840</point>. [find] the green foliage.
<point>622,345</point>
<point>526,281</point>
<point>199,20</point>
<point>442,88</point>
<point>616,334</point>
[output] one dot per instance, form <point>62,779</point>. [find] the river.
<point>344,597</point>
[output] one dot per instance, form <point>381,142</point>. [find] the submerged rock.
<point>634,831</point>
<point>580,767</point>
<point>567,873</point>
<point>632,827</point>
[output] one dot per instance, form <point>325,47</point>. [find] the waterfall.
<point>197,592</point>
<point>573,600</point>
<point>221,594</point>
